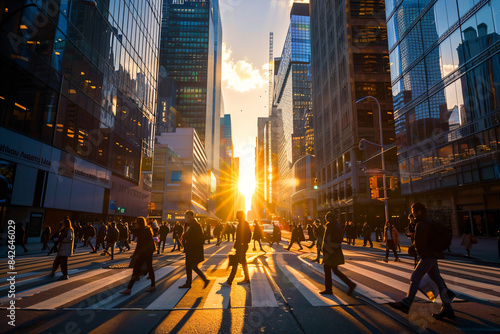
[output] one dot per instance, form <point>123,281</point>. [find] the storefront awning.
<point>201,213</point>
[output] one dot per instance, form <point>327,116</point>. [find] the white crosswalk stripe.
<point>262,293</point>
<point>172,296</point>
<point>219,295</point>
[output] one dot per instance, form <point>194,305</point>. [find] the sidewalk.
<point>485,251</point>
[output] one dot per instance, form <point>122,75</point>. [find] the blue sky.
<point>246,26</point>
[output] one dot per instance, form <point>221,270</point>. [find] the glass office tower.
<point>445,72</point>
<point>77,108</point>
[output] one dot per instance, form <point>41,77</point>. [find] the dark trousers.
<point>63,262</point>
<point>336,271</point>
<point>98,243</point>
<point>141,259</point>
<point>177,243</point>
<point>390,245</point>
<point>111,245</point>
<point>242,258</point>
<point>189,273</point>
<point>45,246</point>
<point>292,242</point>
<point>318,251</point>
<point>259,244</point>
<point>162,244</point>
<point>90,243</point>
<point>367,239</point>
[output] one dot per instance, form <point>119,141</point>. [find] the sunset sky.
<point>246,26</point>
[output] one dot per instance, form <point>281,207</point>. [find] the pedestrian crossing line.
<point>53,285</point>
<point>469,266</point>
<point>117,298</point>
<point>261,290</point>
<point>172,296</point>
<point>67,297</point>
<point>39,279</point>
<point>480,272</point>
<point>455,283</point>
<point>391,282</point>
<point>219,295</point>
<point>362,289</point>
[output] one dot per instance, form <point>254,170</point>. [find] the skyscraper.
<point>77,108</point>
<point>445,71</point>
<point>350,62</point>
<point>227,186</point>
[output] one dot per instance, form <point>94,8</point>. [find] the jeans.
<point>430,267</point>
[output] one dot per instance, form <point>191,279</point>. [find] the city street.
<point>282,297</point>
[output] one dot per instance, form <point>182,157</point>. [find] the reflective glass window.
<point>395,63</point>
<point>392,31</point>
<point>495,6</point>
<point>464,6</point>
<point>433,67</point>
<point>429,29</point>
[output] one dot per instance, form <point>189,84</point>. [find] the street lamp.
<point>382,152</point>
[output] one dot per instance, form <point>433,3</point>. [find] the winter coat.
<point>423,239</point>
<point>90,231</point>
<point>177,232</point>
<point>164,230</point>
<point>394,235</point>
<point>145,243</point>
<point>276,234</point>
<point>300,232</point>
<point>310,233</point>
<point>66,244</point>
<point>243,237</point>
<point>101,234</point>
<point>367,231</point>
<point>113,234</point>
<point>467,241</point>
<point>319,232</point>
<point>257,232</point>
<point>332,240</point>
<point>193,240</point>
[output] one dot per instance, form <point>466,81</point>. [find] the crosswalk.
<point>296,279</point>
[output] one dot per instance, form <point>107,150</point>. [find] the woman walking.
<point>332,254</point>
<point>257,235</point>
<point>66,237</point>
<point>45,238</point>
<point>467,239</point>
<point>143,254</point>
<point>391,239</point>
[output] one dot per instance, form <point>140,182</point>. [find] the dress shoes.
<point>444,313</point>
<point>400,307</point>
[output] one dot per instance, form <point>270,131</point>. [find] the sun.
<point>246,186</point>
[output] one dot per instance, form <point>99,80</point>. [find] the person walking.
<point>276,238</point>
<point>428,264</point>
<point>65,250</point>
<point>20,236</point>
<point>332,254</point>
<point>410,233</point>
<point>177,232</point>
<point>295,237</point>
<point>101,237</point>
<point>122,237</point>
<point>89,233</point>
<point>45,238</point>
<point>164,231</point>
<point>243,237</point>
<point>217,233</point>
<point>143,254</point>
<point>55,239</point>
<point>257,235</point>
<point>310,234</point>
<point>367,235</point>
<point>319,232</point>
<point>111,239</point>
<point>467,239</point>
<point>193,240</point>
<point>391,239</point>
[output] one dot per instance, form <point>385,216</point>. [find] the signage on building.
<point>147,165</point>
<point>112,205</point>
<point>121,209</point>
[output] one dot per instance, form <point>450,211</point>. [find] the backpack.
<point>441,238</point>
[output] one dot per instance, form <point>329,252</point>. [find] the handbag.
<point>473,240</point>
<point>411,251</point>
<point>429,288</point>
<point>233,260</point>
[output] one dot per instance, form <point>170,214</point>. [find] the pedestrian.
<point>332,254</point>
<point>155,227</point>
<point>122,236</point>
<point>319,232</point>
<point>367,235</point>
<point>391,239</point>
<point>217,233</point>
<point>467,239</point>
<point>428,264</point>
<point>111,239</point>
<point>257,235</point>
<point>410,233</point>
<point>176,235</point>
<point>45,238</point>
<point>65,250</point>
<point>377,234</point>
<point>347,229</point>
<point>233,230</point>
<point>310,234</point>
<point>78,234</point>
<point>55,239</point>
<point>276,238</point>
<point>295,237</point>
<point>208,232</point>
<point>101,236</point>
<point>193,241</point>
<point>89,233</point>
<point>243,237</point>
<point>143,254</point>
<point>164,230</point>
<point>20,236</point>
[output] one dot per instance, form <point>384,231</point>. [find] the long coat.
<point>193,240</point>
<point>66,244</point>
<point>332,240</point>
<point>257,232</point>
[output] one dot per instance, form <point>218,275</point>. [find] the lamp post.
<point>382,153</point>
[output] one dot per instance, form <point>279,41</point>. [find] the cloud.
<point>241,76</point>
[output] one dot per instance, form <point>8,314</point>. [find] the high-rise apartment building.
<point>191,53</point>
<point>77,109</point>
<point>292,98</point>
<point>445,72</point>
<point>350,62</point>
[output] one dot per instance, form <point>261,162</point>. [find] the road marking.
<point>41,278</point>
<point>219,295</point>
<point>67,297</point>
<point>118,298</point>
<point>171,296</point>
<point>53,285</point>
<point>262,293</point>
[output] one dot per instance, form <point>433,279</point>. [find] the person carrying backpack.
<point>431,239</point>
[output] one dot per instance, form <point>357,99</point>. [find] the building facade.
<point>292,98</point>
<point>350,62</point>
<point>227,181</point>
<point>77,110</point>
<point>445,72</point>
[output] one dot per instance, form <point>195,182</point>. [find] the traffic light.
<point>315,183</point>
<point>373,187</point>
